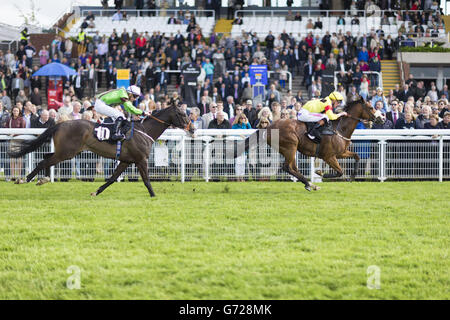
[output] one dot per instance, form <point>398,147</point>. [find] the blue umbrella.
<point>55,69</point>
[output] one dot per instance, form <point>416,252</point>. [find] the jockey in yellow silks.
<point>320,111</point>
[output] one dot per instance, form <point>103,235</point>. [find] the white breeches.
<point>106,110</point>
<point>306,116</point>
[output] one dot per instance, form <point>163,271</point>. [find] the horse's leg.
<point>333,163</point>
<point>290,167</point>
<point>120,168</point>
<point>354,155</point>
<point>50,160</point>
<point>143,170</point>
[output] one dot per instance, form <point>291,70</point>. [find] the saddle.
<point>104,131</point>
<point>325,130</point>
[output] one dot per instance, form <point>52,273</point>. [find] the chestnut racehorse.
<point>292,138</point>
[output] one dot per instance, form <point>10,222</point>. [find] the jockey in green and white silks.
<point>105,103</point>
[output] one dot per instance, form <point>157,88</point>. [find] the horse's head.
<point>178,118</point>
<point>363,110</point>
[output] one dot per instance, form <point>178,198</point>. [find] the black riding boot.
<point>117,134</point>
<point>314,133</point>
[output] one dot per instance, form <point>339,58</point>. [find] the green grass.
<point>259,240</point>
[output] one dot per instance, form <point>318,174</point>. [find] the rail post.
<point>183,158</point>
<point>441,158</point>
<point>52,168</point>
<point>382,161</point>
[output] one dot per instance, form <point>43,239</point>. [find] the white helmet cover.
<point>135,90</point>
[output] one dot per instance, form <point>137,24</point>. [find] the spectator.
<point>433,94</point>
<point>250,112</point>
<point>196,121</point>
<point>118,16</point>
<point>211,115</point>
<point>219,122</point>
<point>445,123</point>
<point>407,122</point>
<point>380,97</point>
<point>44,121</point>
<point>433,123</point>
<point>386,123</point>
<point>241,122</point>
<point>44,55</point>
<point>75,114</point>
<point>263,123</point>
<point>264,113</point>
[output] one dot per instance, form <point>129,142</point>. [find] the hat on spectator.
<point>249,101</point>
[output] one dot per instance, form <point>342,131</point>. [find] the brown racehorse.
<point>292,138</point>
<point>72,137</point>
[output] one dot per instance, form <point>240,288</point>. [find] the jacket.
<point>321,106</point>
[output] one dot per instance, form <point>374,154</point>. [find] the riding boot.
<point>314,133</point>
<point>117,134</point>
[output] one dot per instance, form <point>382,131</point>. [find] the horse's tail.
<point>251,140</point>
<point>27,146</point>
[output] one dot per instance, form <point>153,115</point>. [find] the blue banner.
<point>258,73</point>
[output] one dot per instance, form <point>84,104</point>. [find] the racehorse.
<point>72,137</point>
<point>292,138</point>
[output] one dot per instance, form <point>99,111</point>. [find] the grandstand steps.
<point>390,75</point>
<point>223,26</point>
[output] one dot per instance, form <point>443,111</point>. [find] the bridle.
<point>354,118</point>
<point>166,123</point>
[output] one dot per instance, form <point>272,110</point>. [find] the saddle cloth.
<point>104,131</point>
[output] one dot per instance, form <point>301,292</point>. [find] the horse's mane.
<point>159,112</point>
<point>351,104</point>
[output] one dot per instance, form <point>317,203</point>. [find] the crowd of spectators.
<point>223,95</point>
<point>224,61</point>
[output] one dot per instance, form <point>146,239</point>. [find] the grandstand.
<point>278,24</point>
<point>105,26</point>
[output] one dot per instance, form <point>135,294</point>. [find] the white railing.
<point>146,12</point>
<point>378,74</point>
<point>385,154</point>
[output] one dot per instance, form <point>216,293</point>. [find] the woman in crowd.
<point>266,113</point>
<point>241,122</point>
<point>15,121</point>
<point>195,118</point>
<point>407,122</point>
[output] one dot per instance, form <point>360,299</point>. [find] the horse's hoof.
<point>19,181</point>
<point>43,181</point>
<point>308,188</point>
<point>94,194</point>
<point>319,172</point>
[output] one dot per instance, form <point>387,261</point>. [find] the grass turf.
<point>258,240</point>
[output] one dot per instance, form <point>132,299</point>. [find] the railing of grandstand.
<point>11,45</point>
<point>328,14</point>
<point>378,83</point>
<point>146,12</point>
<point>208,156</point>
<point>324,13</point>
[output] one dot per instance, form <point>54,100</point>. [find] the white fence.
<point>385,154</point>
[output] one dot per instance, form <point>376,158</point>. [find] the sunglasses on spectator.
<point>262,122</point>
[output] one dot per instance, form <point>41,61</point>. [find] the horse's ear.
<point>362,99</point>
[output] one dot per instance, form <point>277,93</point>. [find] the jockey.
<point>320,111</point>
<point>106,102</point>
